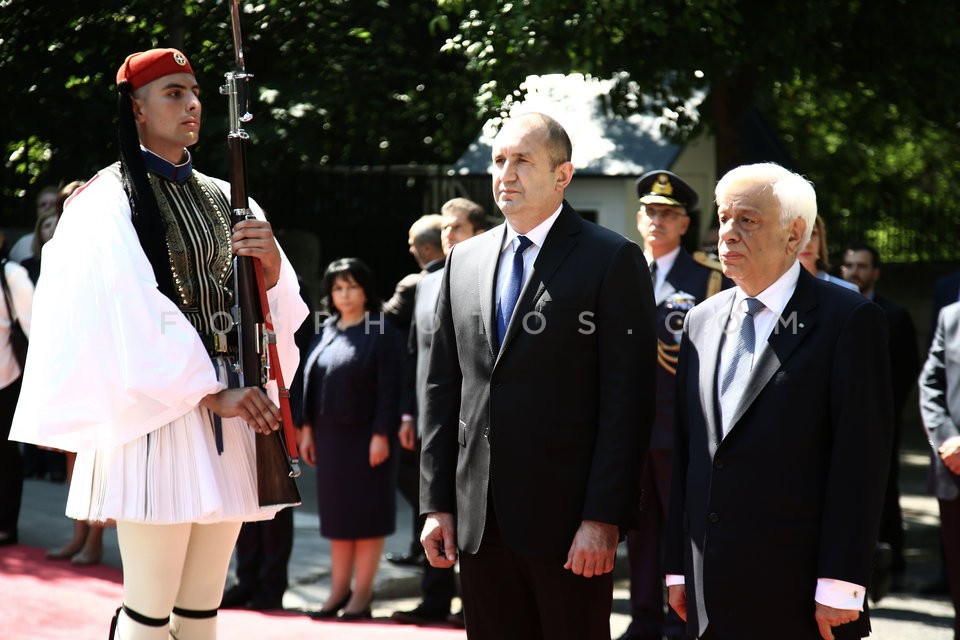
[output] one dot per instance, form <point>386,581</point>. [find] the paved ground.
<point>901,616</point>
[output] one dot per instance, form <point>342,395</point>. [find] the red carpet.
<point>52,600</point>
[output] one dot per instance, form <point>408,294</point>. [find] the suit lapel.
<point>561,239</point>
<point>794,324</point>
<point>487,272</point>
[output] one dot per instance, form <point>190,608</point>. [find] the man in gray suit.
<point>461,219</point>
<point>940,409</point>
<point>539,403</point>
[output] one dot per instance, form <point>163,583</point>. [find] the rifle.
<point>278,462</point>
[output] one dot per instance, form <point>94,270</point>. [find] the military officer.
<point>680,280</point>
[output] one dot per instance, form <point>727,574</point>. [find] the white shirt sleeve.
<point>840,594</point>
<point>833,593</point>
<point>111,358</point>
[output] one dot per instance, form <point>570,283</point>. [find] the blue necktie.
<point>511,293</point>
<point>735,378</point>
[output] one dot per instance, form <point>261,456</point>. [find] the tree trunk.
<point>730,100</point>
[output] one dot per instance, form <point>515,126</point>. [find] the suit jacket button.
<point>718,463</point>
<point>486,431</point>
<point>713,517</point>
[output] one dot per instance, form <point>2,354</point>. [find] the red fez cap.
<point>144,67</point>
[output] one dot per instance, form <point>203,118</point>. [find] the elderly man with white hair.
<point>783,432</point>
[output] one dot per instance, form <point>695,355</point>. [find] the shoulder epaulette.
<point>707,261</point>
<point>715,282</point>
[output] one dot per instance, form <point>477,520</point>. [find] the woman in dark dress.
<point>351,383</point>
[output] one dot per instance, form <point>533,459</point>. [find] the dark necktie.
<point>653,275</point>
<point>511,293</point>
<point>735,377</point>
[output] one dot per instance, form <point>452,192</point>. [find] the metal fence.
<point>367,211</point>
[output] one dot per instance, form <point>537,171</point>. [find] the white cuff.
<point>671,579</point>
<point>839,594</point>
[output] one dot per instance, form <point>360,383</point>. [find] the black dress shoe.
<point>7,538</point>
<point>456,620</point>
<point>897,583</point>
<point>328,614</point>
<point>406,559</point>
<point>420,615</point>
<point>346,616</point>
<point>235,598</point>
<point>265,603</point>
<point>937,587</point>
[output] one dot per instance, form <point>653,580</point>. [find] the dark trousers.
<point>859,628</point>
<point>11,464</point>
<point>845,632</point>
<point>891,522</point>
<point>511,597</point>
<point>408,484</point>
<point>950,534</point>
<point>263,553</point>
<point>39,462</point>
<point>437,585</point>
<point>645,547</point>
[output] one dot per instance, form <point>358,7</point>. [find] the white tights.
<point>175,565</point>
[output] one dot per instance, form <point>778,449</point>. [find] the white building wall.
<point>615,198</point>
<point>697,165</point>
<point>603,195</point>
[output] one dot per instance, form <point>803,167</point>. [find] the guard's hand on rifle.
<point>255,238</point>
<point>249,403</point>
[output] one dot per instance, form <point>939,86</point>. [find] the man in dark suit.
<point>539,403</point>
<point>784,428</point>
<point>940,409</point>
<point>861,266</point>
<point>680,281</point>
<point>424,242</point>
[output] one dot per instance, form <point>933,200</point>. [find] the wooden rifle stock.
<point>277,457</point>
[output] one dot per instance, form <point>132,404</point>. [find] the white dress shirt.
<point>664,265</point>
<point>537,236</point>
<point>774,299</point>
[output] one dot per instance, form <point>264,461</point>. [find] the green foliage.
<point>860,91</point>
<point>339,83</point>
